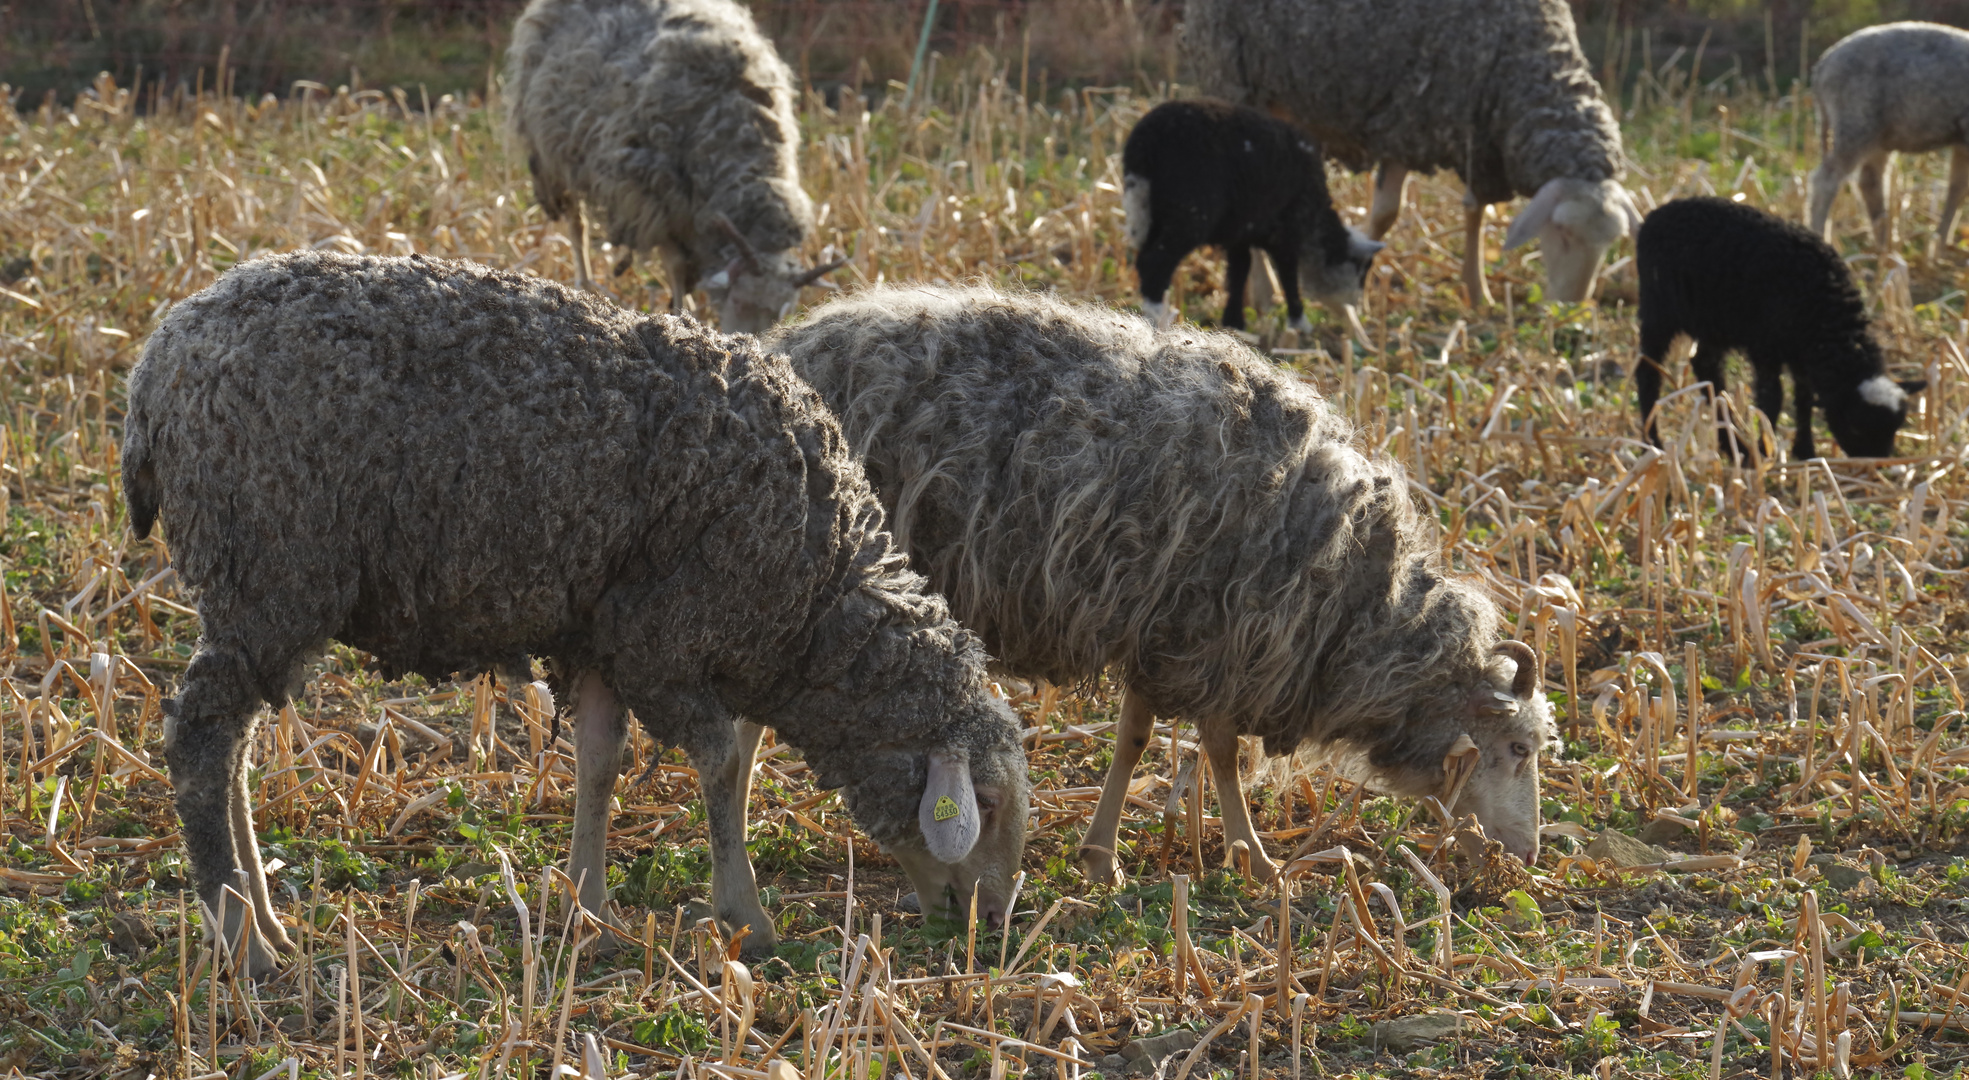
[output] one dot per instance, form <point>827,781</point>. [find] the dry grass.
<point>1757,666</point>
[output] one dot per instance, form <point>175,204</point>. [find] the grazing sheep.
<point>456,468</point>
<point>1092,493</point>
<point>1736,278</point>
<point>1207,172</point>
<point>1903,86</point>
<point>1497,91</point>
<point>675,119</point>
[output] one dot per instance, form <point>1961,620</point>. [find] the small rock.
<point>1620,849</point>
<point>1841,875</point>
<point>1414,1032</point>
<point>910,904</point>
<point>472,870</point>
<point>292,1024</point>
<point>1113,1065</point>
<point>1150,1051</point>
<point>1663,831</point>
<point>130,933</point>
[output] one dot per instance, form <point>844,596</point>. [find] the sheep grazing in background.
<point>1496,90</point>
<point>674,118</point>
<point>1092,493</point>
<point>1207,172</point>
<point>1736,278</point>
<point>457,469</point>
<point>1903,86</point>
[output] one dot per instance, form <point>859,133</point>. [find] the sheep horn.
<point>813,274</point>
<point>745,249</point>
<point>1528,674</point>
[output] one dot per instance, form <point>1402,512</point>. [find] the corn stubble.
<point>1760,664</point>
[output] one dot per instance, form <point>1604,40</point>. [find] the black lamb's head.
<point>1865,418</point>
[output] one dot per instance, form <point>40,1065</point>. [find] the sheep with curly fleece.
<point>1497,91</point>
<point>1735,278</point>
<point>1092,493</point>
<point>457,469</point>
<point>1903,86</point>
<point>674,118</point>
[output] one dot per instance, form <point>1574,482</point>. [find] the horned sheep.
<point>1208,172</point>
<point>1733,277</point>
<point>1093,493</point>
<point>1496,90</point>
<point>674,118</point>
<point>1903,86</point>
<point>457,469</point>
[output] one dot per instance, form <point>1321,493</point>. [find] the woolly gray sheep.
<point>1496,90</point>
<point>674,118</point>
<point>1093,493</point>
<point>457,469</point>
<point>1903,86</point>
<point>1733,277</point>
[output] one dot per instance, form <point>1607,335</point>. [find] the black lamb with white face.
<point>1736,279</point>
<point>1209,172</point>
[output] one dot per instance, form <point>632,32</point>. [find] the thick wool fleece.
<point>1496,90</point>
<point>1090,492</point>
<point>661,114</point>
<point>1736,278</point>
<point>456,468</point>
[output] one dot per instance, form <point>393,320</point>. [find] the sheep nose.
<point>994,917</point>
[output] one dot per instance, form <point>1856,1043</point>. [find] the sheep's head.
<point>1865,423</point>
<point>1493,773</point>
<point>1333,272</point>
<point>757,289</point>
<point>1575,221</point>
<point>969,827</point>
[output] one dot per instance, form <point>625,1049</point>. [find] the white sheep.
<point>1497,91</point>
<point>674,119</point>
<point>1903,86</point>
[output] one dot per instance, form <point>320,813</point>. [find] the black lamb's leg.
<point>1155,265</point>
<point>1801,411</point>
<point>1235,276</point>
<point>1708,366</point>
<point>1287,265</point>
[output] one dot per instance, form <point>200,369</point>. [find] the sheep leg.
<point>1823,188</point>
<point>1234,279</point>
<point>725,778</point>
<point>1770,398</point>
<point>1708,366</point>
<point>1958,185</point>
<point>1873,191</point>
<point>582,278</point>
<point>1131,737</point>
<point>1390,181</point>
<point>1259,293</point>
<point>1155,265</point>
<point>1473,256</point>
<point>1287,265</point>
<point>601,731</point>
<point>206,732</point>
<point>252,872</point>
<point>677,274</point>
<point>1218,738</point>
<point>1802,448</point>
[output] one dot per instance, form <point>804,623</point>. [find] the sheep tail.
<point>141,491</point>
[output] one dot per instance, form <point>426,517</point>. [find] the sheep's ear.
<point>1536,215</point>
<point>1458,766</point>
<point>948,815</point>
<point>1360,247</point>
<point>720,280</point>
<point>1913,386</point>
<point>1625,200</point>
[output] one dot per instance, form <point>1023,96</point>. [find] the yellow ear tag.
<point>946,808</point>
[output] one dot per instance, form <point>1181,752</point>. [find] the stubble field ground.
<point>1758,668</point>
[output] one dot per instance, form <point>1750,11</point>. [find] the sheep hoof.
<point>1101,866</point>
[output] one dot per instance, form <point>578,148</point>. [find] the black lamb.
<point>1209,172</point>
<point>1734,278</point>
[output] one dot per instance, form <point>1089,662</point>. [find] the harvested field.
<point>1756,669</point>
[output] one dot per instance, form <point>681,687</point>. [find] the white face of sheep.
<point>1338,286</point>
<point>1496,766</point>
<point>970,835</point>
<point>1575,221</point>
<point>751,297</point>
